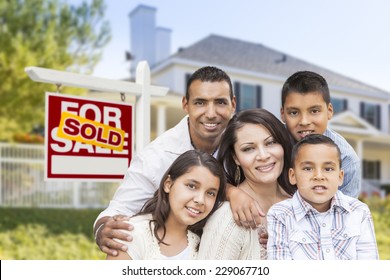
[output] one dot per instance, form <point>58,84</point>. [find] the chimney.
<point>147,42</point>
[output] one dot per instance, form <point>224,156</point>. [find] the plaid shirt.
<point>298,231</point>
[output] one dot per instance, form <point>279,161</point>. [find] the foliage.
<point>49,34</point>
<point>48,234</point>
<point>66,234</point>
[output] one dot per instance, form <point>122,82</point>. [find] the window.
<point>371,113</point>
<point>247,96</point>
<point>371,169</point>
<point>339,104</point>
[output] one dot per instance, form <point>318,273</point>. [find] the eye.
<point>315,111</point>
<point>307,168</point>
<point>191,186</point>
<point>212,193</point>
<point>199,102</point>
<point>293,113</point>
<point>271,142</point>
<point>247,149</point>
<point>328,169</point>
<point>221,102</point>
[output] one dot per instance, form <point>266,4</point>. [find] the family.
<point>240,186</point>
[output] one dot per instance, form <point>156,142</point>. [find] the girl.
<point>170,224</point>
<point>255,151</point>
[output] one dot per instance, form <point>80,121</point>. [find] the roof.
<point>219,50</point>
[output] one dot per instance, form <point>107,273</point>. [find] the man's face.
<point>306,114</point>
<point>209,109</point>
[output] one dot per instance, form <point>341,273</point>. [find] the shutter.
<point>237,94</point>
<point>259,96</point>
<point>345,104</point>
<point>362,110</point>
<point>378,170</point>
<point>378,116</point>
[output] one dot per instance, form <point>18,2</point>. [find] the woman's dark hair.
<point>159,206</point>
<point>229,138</point>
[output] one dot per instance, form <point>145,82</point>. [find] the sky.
<point>350,37</point>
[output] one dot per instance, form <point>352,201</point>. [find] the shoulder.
<point>345,148</point>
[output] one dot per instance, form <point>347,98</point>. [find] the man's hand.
<point>246,211</point>
<point>108,228</point>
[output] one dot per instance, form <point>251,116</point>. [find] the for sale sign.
<point>87,139</point>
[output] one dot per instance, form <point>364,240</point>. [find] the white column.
<point>161,119</point>
<point>359,148</point>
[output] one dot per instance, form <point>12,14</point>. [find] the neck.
<point>205,145</point>
<point>265,194</point>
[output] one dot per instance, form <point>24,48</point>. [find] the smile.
<point>305,133</point>
<point>194,211</point>
<point>266,168</point>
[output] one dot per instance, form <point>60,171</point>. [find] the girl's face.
<point>192,196</point>
<point>258,154</point>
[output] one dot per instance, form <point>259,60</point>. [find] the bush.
<point>48,234</point>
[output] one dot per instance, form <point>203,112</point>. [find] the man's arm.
<point>107,228</point>
<point>246,211</point>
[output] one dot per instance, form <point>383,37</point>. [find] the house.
<point>362,112</point>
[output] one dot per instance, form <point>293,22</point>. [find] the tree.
<point>45,33</point>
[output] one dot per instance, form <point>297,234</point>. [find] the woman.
<point>255,151</point>
<point>170,224</point>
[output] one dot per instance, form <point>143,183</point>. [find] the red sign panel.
<point>87,139</point>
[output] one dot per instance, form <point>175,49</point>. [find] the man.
<point>209,103</point>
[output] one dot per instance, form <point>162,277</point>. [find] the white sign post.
<point>142,89</point>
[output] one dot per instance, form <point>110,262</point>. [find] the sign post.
<point>90,127</point>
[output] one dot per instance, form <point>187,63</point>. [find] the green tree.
<point>46,33</point>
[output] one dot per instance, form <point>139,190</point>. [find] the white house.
<point>362,112</point>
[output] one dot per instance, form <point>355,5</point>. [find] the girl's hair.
<point>159,206</point>
<point>229,138</point>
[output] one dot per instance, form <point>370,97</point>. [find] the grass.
<point>66,234</point>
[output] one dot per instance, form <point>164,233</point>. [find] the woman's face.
<point>258,154</point>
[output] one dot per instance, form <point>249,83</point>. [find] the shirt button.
<point>303,239</point>
<point>324,225</point>
<point>327,250</point>
<point>345,235</point>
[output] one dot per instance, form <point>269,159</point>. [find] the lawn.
<point>66,234</point>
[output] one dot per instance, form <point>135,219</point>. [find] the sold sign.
<point>80,129</point>
<point>87,139</point>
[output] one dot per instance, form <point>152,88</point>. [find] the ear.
<point>282,114</point>
<point>330,111</point>
<point>341,177</point>
<point>236,160</point>
<point>184,104</point>
<point>234,104</point>
<point>291,176</point>
<point>168,184</point>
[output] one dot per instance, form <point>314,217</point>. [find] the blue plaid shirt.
<point>297,231</point>
<point>351,164</point>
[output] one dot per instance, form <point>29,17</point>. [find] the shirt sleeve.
<point>352,179</point>
<point>366,246</point>
<point>141,180</point>
<point>277,245</point>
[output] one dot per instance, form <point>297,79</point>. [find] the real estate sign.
<point>87,139</point>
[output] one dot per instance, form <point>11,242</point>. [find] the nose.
<point>318,175</point>
<point>199,198</point>
<point>262,154</point>
<point>211,111</point>
<point>305,120</point>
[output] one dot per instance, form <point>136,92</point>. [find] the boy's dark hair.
<point>159,206</point>
<point>313,139</point>
<point>229,138</point>
<point>304,82</point>
<point>209,74</point>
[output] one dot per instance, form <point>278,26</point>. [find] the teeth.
<point>319,188</point>
<point>304,133</point>
<point>193,210</point>
<point>265,167</point>
<point>210,125</point>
